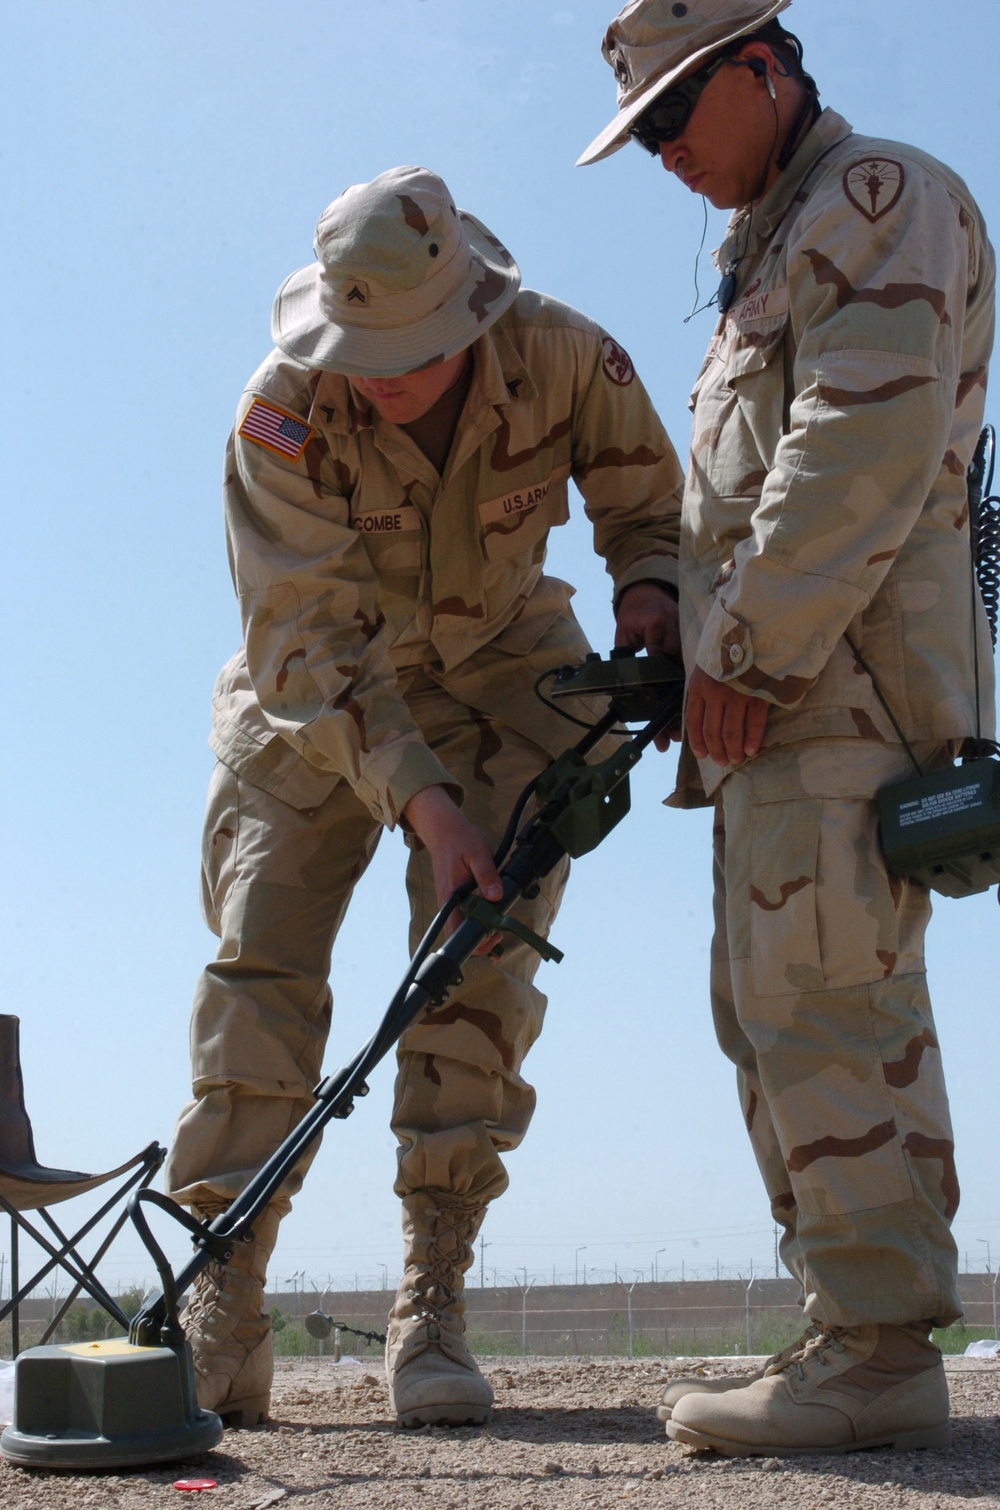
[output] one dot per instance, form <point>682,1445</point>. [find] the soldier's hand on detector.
<point>459,852</point>
<point>647,619</point>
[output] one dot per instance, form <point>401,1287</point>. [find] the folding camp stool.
<point>26,1185</point>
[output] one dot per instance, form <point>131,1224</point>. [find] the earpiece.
<point>758,68</point>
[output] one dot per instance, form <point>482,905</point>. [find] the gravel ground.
<point>570,1434</point>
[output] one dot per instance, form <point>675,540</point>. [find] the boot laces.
<point>437,1286</point>
<point>824,1339</point>
<point>219,1299</point>
<point>207,1291</point>
<point>784,1356</point>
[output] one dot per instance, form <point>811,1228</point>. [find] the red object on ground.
<point>195,1484</point>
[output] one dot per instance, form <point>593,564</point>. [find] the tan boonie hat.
<point>652,43</point>
<point>403,279</point>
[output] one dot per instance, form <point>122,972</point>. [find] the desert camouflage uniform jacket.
<point>834,419</point>
<point>357,566</point>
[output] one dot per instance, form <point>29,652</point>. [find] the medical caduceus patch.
<point>874,186</point>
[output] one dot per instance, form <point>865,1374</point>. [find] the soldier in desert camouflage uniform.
<point>825,514</point>
<point>387,534</point>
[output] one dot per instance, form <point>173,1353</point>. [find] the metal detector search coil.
<point>944,829</point>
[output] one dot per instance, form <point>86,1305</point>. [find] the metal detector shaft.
<point>569,790</point>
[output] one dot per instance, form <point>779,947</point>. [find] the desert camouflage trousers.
<point>276,885</point>
<point>820,999</point>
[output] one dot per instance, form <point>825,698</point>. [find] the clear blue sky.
<point>163,168</point>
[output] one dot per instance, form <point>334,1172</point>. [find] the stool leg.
<point>15,1284</point>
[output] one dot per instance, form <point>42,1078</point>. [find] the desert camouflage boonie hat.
<point>402,279</point>
<point>652,43</point>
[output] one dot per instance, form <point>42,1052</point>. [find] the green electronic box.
<point>944,829</point>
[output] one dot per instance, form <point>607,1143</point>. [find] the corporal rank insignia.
<point>874,186</point>
<point>620,65</point>
<point>617,363</point>
<point>273,428</point>
<point>355,292</point>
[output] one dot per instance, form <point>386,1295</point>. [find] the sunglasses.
<point>666,117</point>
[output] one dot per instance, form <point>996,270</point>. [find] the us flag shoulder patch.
<point>284,433</point>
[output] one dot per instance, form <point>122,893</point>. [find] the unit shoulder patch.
<point>617,363</point>
<point>275,429</point>
<point>874,186</point>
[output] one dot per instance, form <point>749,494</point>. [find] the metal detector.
<point>121,1404</point>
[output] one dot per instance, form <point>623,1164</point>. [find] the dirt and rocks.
<point>568,1434</point>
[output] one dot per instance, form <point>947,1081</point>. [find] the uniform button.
<point>736,654</point>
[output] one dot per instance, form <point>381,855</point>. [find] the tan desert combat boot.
<point>229,1332</point>
<point>703,1384</point>
<point>848,1388</point>
<point>433,1378</point>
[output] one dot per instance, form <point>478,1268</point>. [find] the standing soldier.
<point>826,616</point>
<point>394,471</point>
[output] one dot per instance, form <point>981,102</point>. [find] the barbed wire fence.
<point>385,1277</point>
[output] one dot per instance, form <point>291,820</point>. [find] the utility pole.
<point>747,1305</point>
<point>631,1345</point>
<point>776,1274</point>
<point>483,1245</point>
<point>524,1309</point>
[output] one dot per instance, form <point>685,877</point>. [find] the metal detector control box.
<point>944,829</point>
<point>639,686</point>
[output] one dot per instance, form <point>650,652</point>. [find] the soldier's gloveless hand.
<point>647,619</point>
<point>459,851</point>
<point>721,722</point>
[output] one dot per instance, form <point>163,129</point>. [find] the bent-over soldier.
<point>395,468</point>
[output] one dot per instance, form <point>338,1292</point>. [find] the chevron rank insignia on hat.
<point>354,292</point>
<point>283,433</point>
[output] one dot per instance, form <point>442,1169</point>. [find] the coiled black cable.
<point>984,527</point>
<point>988,560</point>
